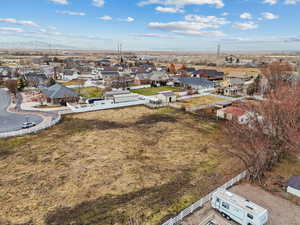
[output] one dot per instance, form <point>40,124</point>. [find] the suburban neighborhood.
<point>193,119</point>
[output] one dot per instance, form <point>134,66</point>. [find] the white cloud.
<point>106,18</point>
<point>269,16</point>
<point>169,9</point>
<point>182,3</point>
<point>70,13</point>
<point>215,33</point>
<point>62,2</point>
<point>193,25</point>
<point>153,35</point>
<point>291,2</point>
<point>98,3</point>
<point>207,19</point>
<point>181,26</point>
<point>270,2</point>
<point>11,29</point>
<point>19,22</point>
<point>246,16</point>
<point>245,26</point>
<point>225,14</point>
<point>129,19</point>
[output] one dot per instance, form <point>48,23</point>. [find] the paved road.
<point>12,121</point>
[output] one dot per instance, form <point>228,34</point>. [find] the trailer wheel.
<point>228,217</point>
<point>223,214</point>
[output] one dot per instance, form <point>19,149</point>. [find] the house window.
<point>250,216</point>
<point>225,205</point>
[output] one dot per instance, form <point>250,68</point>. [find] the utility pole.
<point>218,55</point>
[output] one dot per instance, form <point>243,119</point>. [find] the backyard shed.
<point>167,96</point>
<point>293,185</point>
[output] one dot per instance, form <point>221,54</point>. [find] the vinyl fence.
<point>31,130</point>
<point>139,87</point>
<point>105,105</point>
<point>203,200</point>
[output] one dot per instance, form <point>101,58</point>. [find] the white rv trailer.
<point>236,208</point>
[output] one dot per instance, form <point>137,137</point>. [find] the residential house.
<point>159,78</point>
<point>59,94</point>
<point>142,79</point>
<point>69,75</point>
<point>234,113</point>
<point>212,75</point>
<point>196,83</point>
<point>36,79</point>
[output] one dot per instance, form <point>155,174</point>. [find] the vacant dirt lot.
<point>203,100</point>
<point>103,167</point>
<point>281,211</point>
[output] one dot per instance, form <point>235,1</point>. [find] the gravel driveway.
<point>281,211</point>
<point>12,121</point>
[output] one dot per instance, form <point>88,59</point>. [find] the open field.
<point>155,90</point>
<point>198,101</point>
<point>89,92</point>
<point>103,167</point>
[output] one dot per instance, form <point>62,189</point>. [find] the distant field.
<point>203,100</point>
<point>103,167</point>
<point>155,90</point>
<point>89,92</point>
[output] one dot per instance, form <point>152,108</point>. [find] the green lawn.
<point>155,90</point>
<point>89,92</point>
<point>72,82</point>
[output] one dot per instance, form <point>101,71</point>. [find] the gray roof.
<point>57,91</point>
<point>294,182</point>
<point>196,81</point>
<point>110,73</point>
<point>143,76</point>
<point>158,76</point>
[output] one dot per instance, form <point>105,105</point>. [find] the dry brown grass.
<point>103,167</point>
<point>198,101</point>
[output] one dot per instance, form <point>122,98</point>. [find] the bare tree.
<point>272,131</point>
<point>12,86</point>
<point>275,73</point>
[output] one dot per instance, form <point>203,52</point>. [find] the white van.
<point>234,207</point>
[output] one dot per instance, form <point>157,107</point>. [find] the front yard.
<point>155,90</point>
<point>104,167</point>
<point>89,92</point>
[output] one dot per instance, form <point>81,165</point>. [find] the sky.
<point>158,25</point>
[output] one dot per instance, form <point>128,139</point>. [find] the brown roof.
<point>234,111</point>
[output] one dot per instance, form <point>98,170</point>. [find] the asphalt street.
<point>12,121</point>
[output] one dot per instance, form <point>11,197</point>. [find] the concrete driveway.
<point>12,121</point>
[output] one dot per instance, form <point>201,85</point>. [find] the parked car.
<point>28,125</point>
